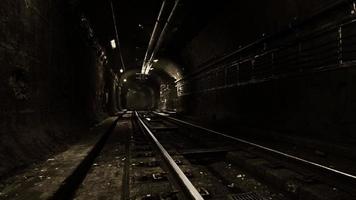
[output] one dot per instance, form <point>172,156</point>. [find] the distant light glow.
<point>113,44</point>
<point>155,60</point>
<point>148,67</point>
<point>121,70</point>
<point>125,80</point>
<point>148,119</point>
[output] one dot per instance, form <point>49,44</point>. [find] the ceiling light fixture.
<point>113,44</point>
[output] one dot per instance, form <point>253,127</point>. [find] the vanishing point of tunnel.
<point>177,99</point>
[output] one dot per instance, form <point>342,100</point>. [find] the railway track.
<point>147,155</point>
<point>201,163</point>
<point>294,177</point>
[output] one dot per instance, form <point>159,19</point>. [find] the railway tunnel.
<point>177,99</point>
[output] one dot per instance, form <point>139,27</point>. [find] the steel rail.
<point>187,185</point>
<point>329,169</point>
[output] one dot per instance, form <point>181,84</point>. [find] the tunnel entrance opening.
<point>139,97</point>
<point>157,91</point>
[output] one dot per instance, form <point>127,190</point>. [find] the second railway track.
<point>238,168</point>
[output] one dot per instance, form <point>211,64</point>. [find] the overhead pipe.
<point>153,37</point>
<point>160,39</point>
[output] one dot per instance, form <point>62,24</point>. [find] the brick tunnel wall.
<point>319,105</point>
<point>243,22</point>
<point>51,81</point>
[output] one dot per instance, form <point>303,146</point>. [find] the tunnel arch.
<point>170,67</point>
<point>156,91</point>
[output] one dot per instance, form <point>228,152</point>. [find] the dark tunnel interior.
<point>278,75</point>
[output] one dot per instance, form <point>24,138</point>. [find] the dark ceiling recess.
<point>135,21</point>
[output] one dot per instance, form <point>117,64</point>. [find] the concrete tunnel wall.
<point>52,81</point>
<point>320,105</point>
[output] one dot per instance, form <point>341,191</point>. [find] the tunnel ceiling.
<point>136,19</point>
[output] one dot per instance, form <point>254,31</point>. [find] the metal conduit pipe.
<point>161,37</point>
<point>153,37</point>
